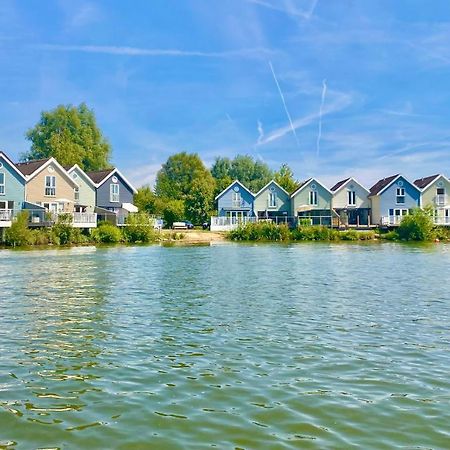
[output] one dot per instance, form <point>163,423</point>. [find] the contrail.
<point>319,135</point>
<point>284,104</point>
<point>260,132</point>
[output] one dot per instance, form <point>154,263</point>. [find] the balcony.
<point>6,216</point>
<point>84,220</point>
<point>440,200</point>
<point>391,220</point>
<point>43,218</point>
<point>229,223</point>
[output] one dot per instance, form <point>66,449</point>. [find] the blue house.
<point>12,190</point>
<point>393,198</point>
<point>114,195</point>
<point>236,202</point>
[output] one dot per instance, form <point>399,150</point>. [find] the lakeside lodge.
<point>46,189</point>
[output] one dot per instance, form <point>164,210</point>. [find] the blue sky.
<point>333,88</point>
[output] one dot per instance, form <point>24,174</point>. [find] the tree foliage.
<point>71,135</point>
<point>417,226</point>
<point>199,202</point>
<point>146,200</point>
<point>285,178</point>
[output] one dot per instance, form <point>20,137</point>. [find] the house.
<point>312,201</point>
<point>114,195</point>
<point>12,190</point>
<point>392,198</point>
<point>49,190</point>
<point>85,192</point>
<point>272,202</point>
<point>351,202</point>
<point>435,192</point>
<point>235,205</point>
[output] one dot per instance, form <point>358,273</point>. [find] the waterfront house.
<point>235,205</point>
<point>114,195</point>
<point>12,190</point>
<point>86,190</point>
<point>312,202</point>
<point>351,202</point>
<point>49,190</point>
<point>435,192</point>
<point>392,198</point>
<point>272,202</point>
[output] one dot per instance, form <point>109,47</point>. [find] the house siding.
<point>86,190</point>
<point>429,195</point>
<point>103,193</point>
<point>283,202</point>
<point>225,201</point>
<point>340,198</point>
<point>14,186</point>
<point>301,199</point>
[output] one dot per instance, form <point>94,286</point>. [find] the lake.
<point>228,346</point>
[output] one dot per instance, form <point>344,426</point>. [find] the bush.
<point>260,231</point>
<point>350,235</point>
<point>442,233</point>
<point>314,233</point>
<point>417,226</point>
<point>63,233</point>
<point>140,228</point>
<point>19,234</point>
<point>106,233</point>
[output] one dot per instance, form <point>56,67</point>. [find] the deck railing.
<point>6,215</point>
<point>440,200</point>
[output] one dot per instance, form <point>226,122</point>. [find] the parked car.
<point>183,225</point>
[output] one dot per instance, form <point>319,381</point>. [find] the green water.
<point>252,346</point>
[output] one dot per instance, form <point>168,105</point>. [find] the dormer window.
<point>400,195</point>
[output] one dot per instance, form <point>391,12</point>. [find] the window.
<point>313,197</point>
<point>2,183</point>
<point>50,185</point>
<point>351,198</point>
<point>400,195</point>
<point>77,193</point>
<point>272,200</point>
<point>440,191</point>
<point>113,192</point>
<point>236,199</point>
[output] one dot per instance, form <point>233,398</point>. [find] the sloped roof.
<point>97,176</point>
<point>381,184</point>
<point>13,166</point>
<point>339,184</point>
<point>29,167</point>
<point>230,185</point>
<point>304,183</point>
<point>422,183</point>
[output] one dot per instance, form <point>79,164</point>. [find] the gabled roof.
<point>13,166</point>
<point>340,184</point>
<point>382,184</point>
<point>268,184</point>
<point>32,168</point>
<point>305,183</point>
<point>422,183</point>
<point>29,167</point>
<point>100,176</point>
<point>70,169</point>
<point>228,187</point>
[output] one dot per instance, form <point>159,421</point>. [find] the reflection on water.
<point>303,346</point>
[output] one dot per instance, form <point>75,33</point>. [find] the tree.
<point>285,178</point>
<point>417,226</point>
<point>199,201</point>
<point>71,135</point>
<point>145,199</point>
<point>175,179</point>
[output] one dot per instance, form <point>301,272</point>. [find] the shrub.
<point>63,231</point>
<point>349,235</point>
<point>260,231</point>
<point>19,234</point>
<point>442,233</point>
<point>107,233</point>
<point>417,226</point>
<point>314,233</point>
<point>139,228</point>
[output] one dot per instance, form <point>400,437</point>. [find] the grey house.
<point>114,195</point>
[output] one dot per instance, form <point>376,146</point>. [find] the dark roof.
<point>99,175</point>
<point>301,184</point>
<point>29,167</point>
<point>381,184</point>
<point>424,182</point>
<point>339,184</point>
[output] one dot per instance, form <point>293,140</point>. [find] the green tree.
<point>417,226</point>
<point>199,201</point>
<point>285,178</point>
<point>174,180</point>
<point>71,135</point>
<point>170,210</point>
<point>145,199</point>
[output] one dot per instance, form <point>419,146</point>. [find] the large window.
<point>400,195</point>
<point>2,183</point>
<point>351,198</point>
<point>272,200</point>
<point>50,185</point>
<point>236,199</point>
<point>313,198</point>
<point>77,193</point>
<point>113,192</point>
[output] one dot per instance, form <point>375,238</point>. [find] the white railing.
<point>84,217</point>
<point>229,223</point>
<point>440,200</point>
<point>391,220</point>
<point>441,220</point>
<point>6,215</point>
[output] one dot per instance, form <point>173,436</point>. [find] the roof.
<point>97,176</point>
<point>14,166</point>
<point>339,184</point>
<point>29,167</point>
<point>268,184</point>
<point>302,185</point>
<point>228,187</point>
<point>70,169</point>
<point>382,184</point>
<point>422,183</point>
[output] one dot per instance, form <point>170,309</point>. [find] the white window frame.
<point>400,193</point>
<point>114,197</point>
<point>272,200</point>
<point>50,186</point>
<point>313,198</point>
<point>2,184</point>
<point>76,194</point>
<point>236,199</point>
<point>351,198</point>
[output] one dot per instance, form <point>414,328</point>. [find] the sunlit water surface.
<point>229,346</point>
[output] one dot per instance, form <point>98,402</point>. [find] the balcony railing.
<point>41,217</point>
<point>6,215</point>
<point>391,220</point>
<point>440,200</point>
<point>229,223</point>
<point>441,220</point>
